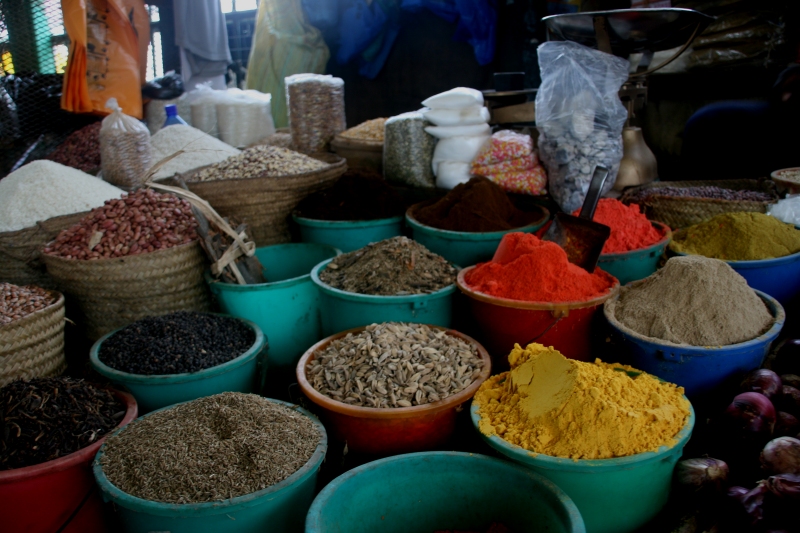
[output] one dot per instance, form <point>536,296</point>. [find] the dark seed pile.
<point>210,449</point>
<point>706,191</point>
<point>47,418</point>
<point>177,343</point>
<point>393,267</point>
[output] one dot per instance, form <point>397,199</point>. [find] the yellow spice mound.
<point>557,406</point>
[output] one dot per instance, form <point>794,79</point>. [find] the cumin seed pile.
<point>210,449</point>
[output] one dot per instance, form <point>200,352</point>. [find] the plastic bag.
<point>457,98</point>
<point>579,117</point>
<point>466,116</point>
<point>408,151</point>
<point>463,149</point>
<point>510,161</point>
<point>167,87</point>
<point>506,145</point>
<point>203,104</point>
<point>452,173</point>
<point>787,210</point>
<point>445,132</point>
<point>155,114</point>
<point>316,110</point>
<point>244,117</point>
<point>125,152</point>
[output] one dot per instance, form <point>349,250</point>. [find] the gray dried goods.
<point>210,449</point>
<point>705,191</point>
<point>18,302</point>
<point>394,365</point>
<point>315,105</point>
<point>260,161</point>
<point>408,151</point>
<point>392,267</point>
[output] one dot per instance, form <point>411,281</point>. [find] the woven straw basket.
<point>112,293</point>
<point>20,251</point>
<point>265,203</point>
<point>683,212</point>
<point>33,347</point>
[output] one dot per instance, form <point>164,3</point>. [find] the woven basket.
<point>112,293</point>
<point>265,203</point>
<point>359,153</point>
<point>33,347</point>
<point>683,212</point>
<point>20,251</point>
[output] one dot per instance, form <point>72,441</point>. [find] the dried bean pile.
<point>80,150</point>
<point>142,222</point>
<point>394,365</point>
<point>47,418</point>
<point>260,161</point>
<point>392,267</point>
<point>371,130</point>
<point>18,302</point>
<point>210,449</point>
<point>177,343</point>
<point>705,191</point>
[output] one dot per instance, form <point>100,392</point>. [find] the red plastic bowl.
<point>59,495</point>
<point>393,430</point>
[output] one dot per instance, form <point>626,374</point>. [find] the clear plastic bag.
<point>787,210</point>
<point>203,104</point>
<point>125,152</point>
<point>579,117</point>
<point>316,110</point>
<point>244,117</point>
<point>408,151</point>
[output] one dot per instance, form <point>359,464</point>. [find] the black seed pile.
<point>47,418</point>
<point>177,343</point>
<point>704,191</point>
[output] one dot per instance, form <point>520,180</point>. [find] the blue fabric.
<point>367,32</point>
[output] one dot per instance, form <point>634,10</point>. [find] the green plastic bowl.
<point>342,310</point>
<point>613,495</point>
<point>433,491</point>
<point>636,264</point>
<point>281,507</point>
<point>348,235</point>
<point>460,247</point>
<point>287,308</point>
<point>155,392</point>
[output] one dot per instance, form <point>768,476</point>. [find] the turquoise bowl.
<point>636,264</point>
<point>240,374</point>
<point>281,507</point>
<point>435,491</point>
<point>348,235</point>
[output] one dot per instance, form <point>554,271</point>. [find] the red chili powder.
<point>533,270</point>
<point>630,229</point>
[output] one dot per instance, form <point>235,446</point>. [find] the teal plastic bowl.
<point>463,248</point>
<point>342,310</point>
<point>154,392</point>
<point>348,235</point>
<point>613,495</point>
<point>287,308</point>
<point>281,507</point>
<point>433,491</point>
<point>636,264</point>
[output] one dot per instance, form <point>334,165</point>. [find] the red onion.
<point>786,425</point>
<point>737,493</point>
<point>789,400</point>
<point>703,472</point>
<point>785,486</point>
<point>781,456</point>
<point>792,380</point>
<point>764,381</point>
<point>753,503</point>
<point>751,413</point>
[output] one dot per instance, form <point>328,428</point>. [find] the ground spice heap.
<point>259,161</point>
<point>177,343</point>
<point>693,300</point>
<point>357,195</point>
<point>565,408</point>
<point>47,418</point>
<point>392,267</point>
<point>532,270</point>
<point>394,365</point>
<point>210,449</point>
<point>477,206</point>
<point>745,236</point>
<point>18,302</point>
<point>630,229</point>
<point>371,130</point>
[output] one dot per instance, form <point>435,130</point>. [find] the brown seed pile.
<point>210,449</point>
<point>394,365</point>
<point>260,161</point>
<point>392,267</point>
<point>80,150</point>
<point>18,302</point>
<point>371,130</point>
<point>141,222</point>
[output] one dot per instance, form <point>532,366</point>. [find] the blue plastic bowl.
<point>636,264</point>
<point>348,235</point>
<point>698,369</point>
<point>281,507</point>
<point>434,491</point>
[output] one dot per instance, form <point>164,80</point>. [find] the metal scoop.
<point>580,237</point>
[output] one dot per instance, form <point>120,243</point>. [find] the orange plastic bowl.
<point>394,430</point>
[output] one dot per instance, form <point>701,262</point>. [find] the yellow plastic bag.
<point>107,54</point>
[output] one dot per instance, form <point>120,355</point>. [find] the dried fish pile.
<point>392,267</point>
<point>259,161</point>
<point>394,365</point>
<point>210,449</point>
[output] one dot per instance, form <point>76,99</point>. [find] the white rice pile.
<point>44,189</point>
<point>199,150</point>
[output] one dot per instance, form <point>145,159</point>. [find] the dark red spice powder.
<point>630,229</point>
<point>357,195</point>
<point>528,269</point>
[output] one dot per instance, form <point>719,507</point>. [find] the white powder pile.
<point>199,150</point>
<point>44,189</point>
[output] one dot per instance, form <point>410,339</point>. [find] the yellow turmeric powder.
<point>565,408</point>
<point>738,237</point>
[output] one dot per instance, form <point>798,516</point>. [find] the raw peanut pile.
<point>142,222</point>
<point>80,150</point>
<point>18,302</point>
<point>371,130</point>
<point>394,365</point>
<point>271,161</point>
